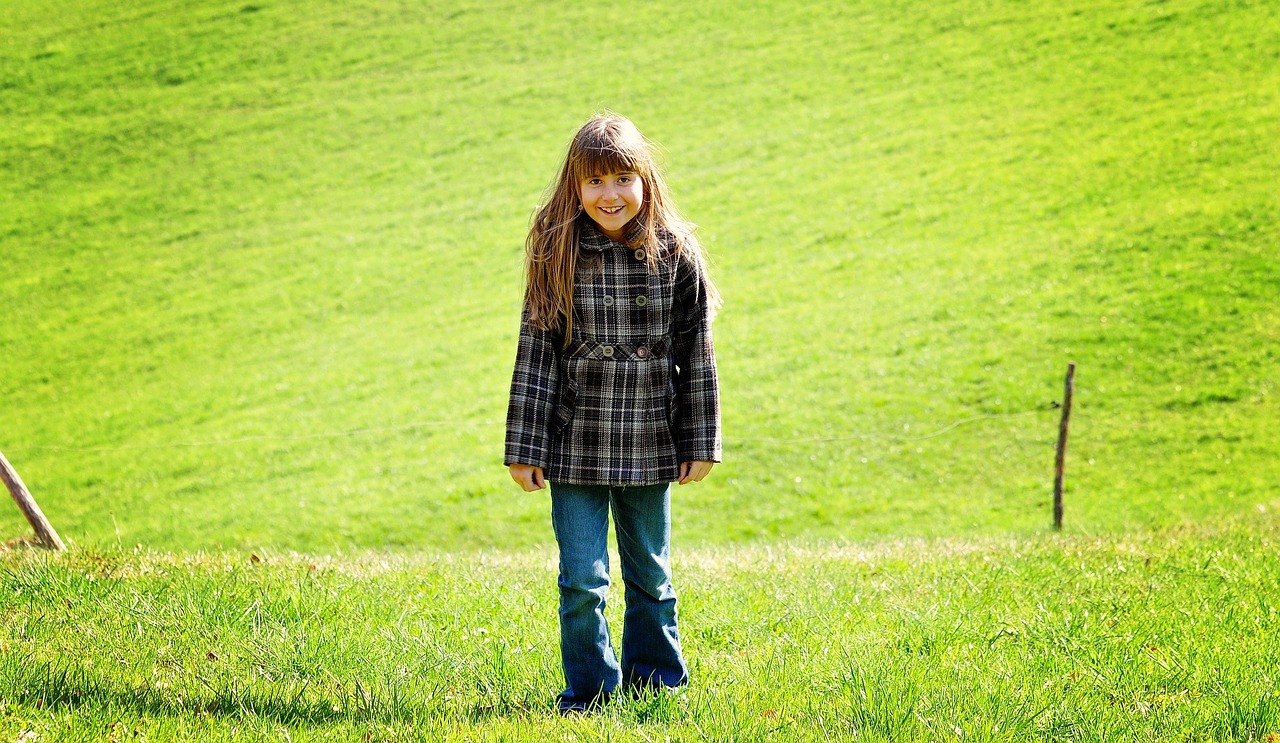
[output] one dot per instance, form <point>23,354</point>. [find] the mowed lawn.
<point>263,260</point>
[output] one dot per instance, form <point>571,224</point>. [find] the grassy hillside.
<point>1168,636</point>
<point>262,260</point>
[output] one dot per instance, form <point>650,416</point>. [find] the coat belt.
<point>589,348</point>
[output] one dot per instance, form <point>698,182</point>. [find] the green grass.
<point>1171,635</point>
<point>261,276</point>
<point>289,237</point>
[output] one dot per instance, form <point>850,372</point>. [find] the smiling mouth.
<point>610,209</point>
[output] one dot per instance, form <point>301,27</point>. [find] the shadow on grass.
<point>50,686</point>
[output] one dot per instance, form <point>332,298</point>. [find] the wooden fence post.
<point>1060,462</point>
<point>44,530</point>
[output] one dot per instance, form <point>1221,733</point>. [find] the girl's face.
<point>612,200</point>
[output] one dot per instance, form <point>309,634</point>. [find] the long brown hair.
<point>608,143</point>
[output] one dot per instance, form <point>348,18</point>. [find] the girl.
<point>613,398</point>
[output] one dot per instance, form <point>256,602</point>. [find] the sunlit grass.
<point>1168,634</point>
<point>262,262</point>
<point>260,289</point>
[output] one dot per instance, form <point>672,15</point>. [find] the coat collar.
<point>592,238</point>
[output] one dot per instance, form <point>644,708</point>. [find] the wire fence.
<point>938,430</point>
<point>893,436</point>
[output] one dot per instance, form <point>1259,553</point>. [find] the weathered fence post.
<point>44,530</point>
<point>1060,462</point>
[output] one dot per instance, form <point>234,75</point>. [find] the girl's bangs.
<point>604,160</point>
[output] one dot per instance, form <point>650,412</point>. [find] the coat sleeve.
<point>534,385</point>
<point>697,387</point>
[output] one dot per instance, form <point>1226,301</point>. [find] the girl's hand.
<point>527,476</point>
<point>694,471</point>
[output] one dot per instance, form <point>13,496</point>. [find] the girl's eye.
<point>624,179</point>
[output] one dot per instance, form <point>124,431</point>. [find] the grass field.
<point>1169,637</point>
<point>261,283</point>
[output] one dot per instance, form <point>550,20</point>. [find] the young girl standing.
<point>614,397</point>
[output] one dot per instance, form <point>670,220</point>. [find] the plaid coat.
<point>635,393</point>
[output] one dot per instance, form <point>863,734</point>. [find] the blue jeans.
<point>651,654</point>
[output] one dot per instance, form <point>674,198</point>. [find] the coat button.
<point>640,254</point>
<point>606,350</point>
<point>642,300</point>
<point>642,352</point>
<point>608,300</point>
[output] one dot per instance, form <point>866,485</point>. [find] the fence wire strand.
<point>891,436</point>
<point>783,440</point>
<point>263,437</point>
